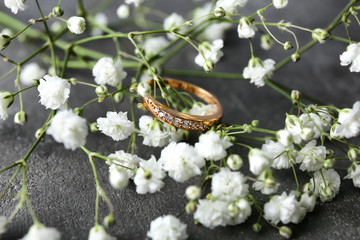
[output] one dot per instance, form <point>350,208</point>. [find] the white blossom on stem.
<point>76,24</point>
<point>38,231</point>
<point>259,161</point>
<point>327,184</point>
<point>30,72</point>
<point>308,201</point>
<point>212,213</point>
<point>228,186</point>
<point>152,46</point>
<point>209,52</point>
<point>238,211</point>
<point>351,56</point>
<point>262,185</point>
<point>172,21</point>
<point>68,128</point>
<point>155,135</point>
<point>118,177</point>
<point>6,99</point>
<point>98,233</point>
<point>116,125</point>
<point>257,71</point>
<point>123,159</point>
<point>246,29</point>
<point>167,228</point>
<point>15,5</point>
<point>123,11</point>
<point>280,4</point>
<point>231,6</point>
<point>106,71</point>
<point>279,153</point>
<point>349,120</point>
<point>212,146</point>
<point>53,91</point>
<point>354,174</point>
<point>149,176</point>
<point>181,161</point>
<point>201,109</point>
<point>311,157</point>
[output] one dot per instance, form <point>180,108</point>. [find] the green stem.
<point>6,188</point>
<point>97,190</point>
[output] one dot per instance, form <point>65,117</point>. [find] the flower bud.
<point>306,187</point>
<point>118,97</point>
<point>327,194</point>
<point>4,41</point>
<point>353,154</point>
<point>143,89</point>
<point>266,42</point>
<point>109,221</point>
<point>76,24</point>
<point>123,11</point>
<point>190,207</point>
<point>118,177</point>
<point>209,197</point>
<point>255,123</point>
<point>284,137</point>
<point>93,127</point>
<point>295,57</point>
<point>256,227</point>
<point>219,12</point>
<point>57,11</point>
<point>6,99</point>
<point>285,232</point>
<point>233,209</point>
<point>329,163</point>
<point>307,134</point>
<point>147,174</point>
<point>193,192</point>
<point>320,35</point>
<point>280,4</point>
<point>208,66</point>
<point>20,117</point>
<point>234,162</point>
<point>101,91</point>
<point>288,45</point>
<point>295,95</point>
<point>78,111</point>
<point>38,133</point>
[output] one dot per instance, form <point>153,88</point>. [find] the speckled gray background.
<point>61,184</point>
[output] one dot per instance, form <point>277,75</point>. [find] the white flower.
<point>245,28</point>
<point>311,157</point>
<point>167,228</point>
<point>308,201</point>
<point>228,186</point>
<point>15,5</point>
<point>136,3</point>
<point>116,125</point>
<point>155,135</point>
<point>193,192</point>
<point>30,72</point>
<point>98,233</point>
<point>118,177</point>
<point>122,159</point>
<point>351,55</point>
<point>330,186</point>
<point>152,46</point>
<point>53,91</point>
<point>6,99</point>
<point>354,174</point>
<point>181,160</point>
<point>68,128</point>
<point>261,185</point>
<point>3,221</point>
<point>285,137</point>
<point>258,71</point>
<point>231,5</point>
<point>318,122</point>
<point>143,89</point>
<point>349,120</point>
<point>106,71</point>
<point>172,21</point>
<point>149,176</point>
<point>201,109</point>
<point>212,213</point>
<point>175,134</point>
<point>38,231</point>
<point>234,162</point>
<point>123,11</point>
<point>284,208</point>
<point>101,20</point>
<point>76,24</point>
<point>280,4</point>
<point>259,161</point>
<point>278,152</point>
<point>212,146</point>
<point>294,125</point>
<point>211,52</point>
<point>242,210</point>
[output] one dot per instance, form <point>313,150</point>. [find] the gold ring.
<point>183,120</point>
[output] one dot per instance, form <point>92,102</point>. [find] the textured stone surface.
<point>61,184</point>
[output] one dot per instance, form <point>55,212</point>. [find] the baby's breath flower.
<point>349,120</point>
<point>210,52</point>
<point>152,46</point>
<point>30,72</point>
<point>266,42</point>
<point>98,233</point>
<point>68,128</point>
<point>38,231</point>
<point>149,176</point>
<point>116,125</point>
<point>53,91</point>
<point>234,162</point>
<point>76,24</point>
<point>328,180</point>
<point>351,55</point>
<point>193,192</point>
<point>15,5</point>
<point>245,28</point>
<point>123,11</point>
<point>278,152</point>
<point>143,89</point>
<point>136,3</point>
<point>20,118</point>
<point>263,185</point>
<point>124,160</point>
<point>212,213</point>
<point>231,6</point>
<point>201,109</point>
<point>154,133</point>
<point>118,177</point>
<point>320,35</point>
<point>212,146</point>
<point>354,174</point>
<point>259,161</point>
<point>257,71</point>
<point>308,201</point>
<point>280,4</point>
<point>311,157</point>
<point>106,71</point>
<point>172,21</point>
<point>167,228</point>
<point>6,99</point>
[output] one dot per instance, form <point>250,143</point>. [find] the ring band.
<point>183,120</point>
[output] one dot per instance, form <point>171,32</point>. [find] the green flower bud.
<point>255,123</point>
<point>320,35</point>
<point>353,154</point>
<point>4,41</point>
<point>295,57</point>
<point>38,133</point>
<point>329,163</point>
<point>256,227</point>
<point>93,127</point>
<point>101,91</point>
<point>118,97</point>
<point>288,45</point>
<point>219,12</point>
<point>78,111</point>
<point>266,42</point>
<point>20,117</point>
<point>295,95</point>
<point>285,232</point>
<point>190,207</point>
<point>208,66</point>
<point>109,220</point>
<point>234,162</point>
<point>58,12</point>
<point>306,187</point>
